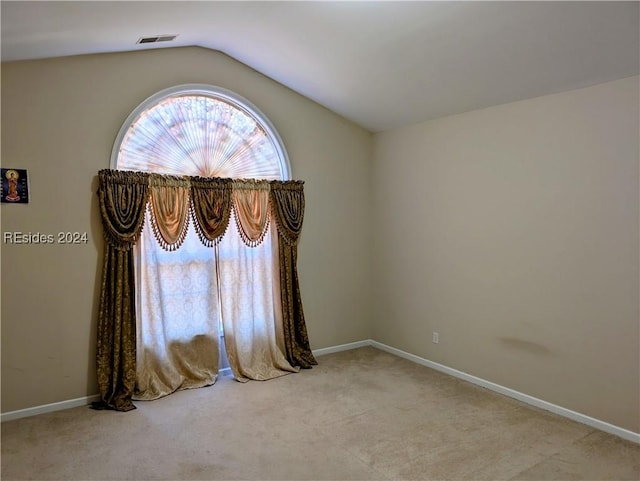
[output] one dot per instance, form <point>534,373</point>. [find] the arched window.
<point>184,297</point>
<point>200,130</point>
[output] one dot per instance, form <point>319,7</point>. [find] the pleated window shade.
<point>200,130</point>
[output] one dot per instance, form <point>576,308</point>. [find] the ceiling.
<point>380,64</point>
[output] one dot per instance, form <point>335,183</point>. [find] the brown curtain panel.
<point>123,197</point>
<point>287,204</point>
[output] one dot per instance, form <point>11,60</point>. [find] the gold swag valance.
<point>172,202</point>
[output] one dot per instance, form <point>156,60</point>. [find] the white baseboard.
<point>567,413</point>
<point>342,347</point>
<point>68,404</point>
<point>84,401</point>
<point>48,408</point>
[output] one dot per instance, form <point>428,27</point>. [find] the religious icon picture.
<point>15,188</point>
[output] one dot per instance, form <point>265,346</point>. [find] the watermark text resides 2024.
<point>38,238</point>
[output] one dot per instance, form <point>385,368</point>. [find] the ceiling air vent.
<point>157,38</point>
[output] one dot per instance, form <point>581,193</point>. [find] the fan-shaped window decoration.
<point>186,293</point>
<point>200,130</point>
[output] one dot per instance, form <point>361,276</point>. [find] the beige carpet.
<point>361,414</point>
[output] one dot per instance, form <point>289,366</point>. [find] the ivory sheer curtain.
<point>177,322</point>
<point>265,332</point>
<point>250,290</point>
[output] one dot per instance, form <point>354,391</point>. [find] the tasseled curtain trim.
<point>210,208</point>
<point>287,206</point>
<point>251,206</point>
<point>171,201</point>
<point>169,209</point>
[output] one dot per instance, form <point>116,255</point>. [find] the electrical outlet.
<point>436,337</point>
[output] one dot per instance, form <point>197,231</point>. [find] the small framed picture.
<point>15,186</point>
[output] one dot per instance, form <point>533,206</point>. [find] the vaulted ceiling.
<point>379,64</point>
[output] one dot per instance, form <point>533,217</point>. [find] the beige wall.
<point>513,232</point>
<point>59,120</point>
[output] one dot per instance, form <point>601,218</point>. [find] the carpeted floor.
<point>361,414</point>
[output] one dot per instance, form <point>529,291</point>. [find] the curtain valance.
<point>123,197</point>
<point>210,208</point>
<point>172,201</point>
<point>287,204</point>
